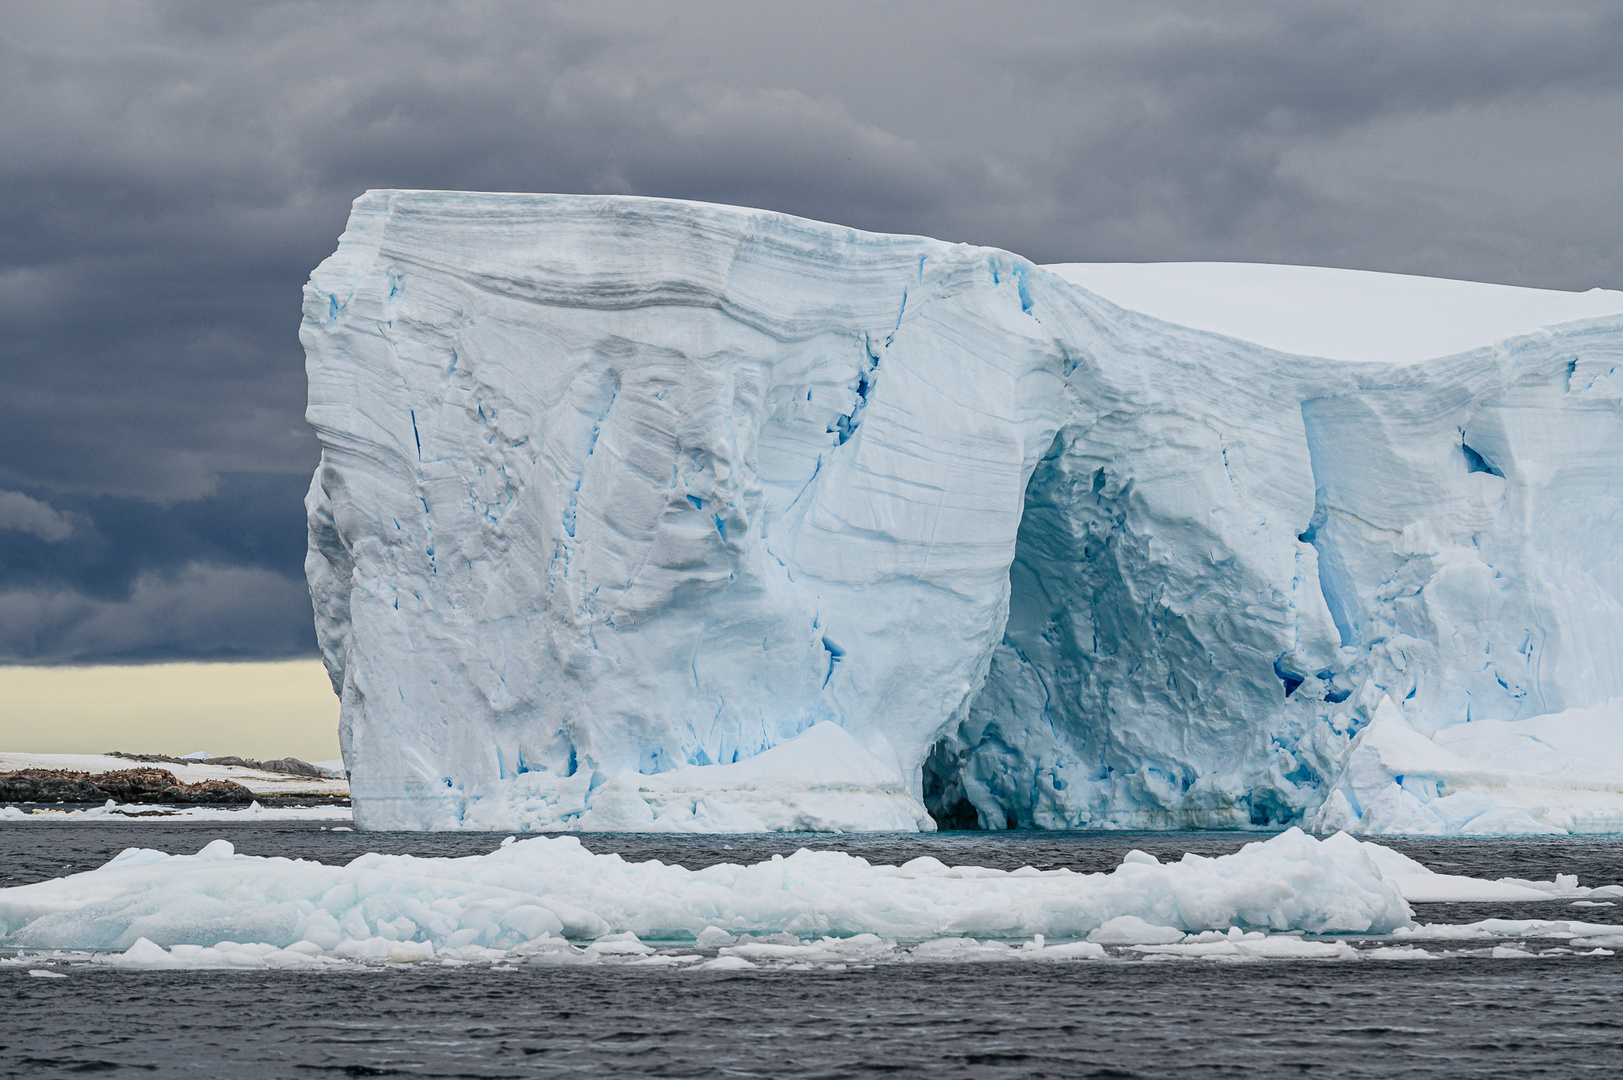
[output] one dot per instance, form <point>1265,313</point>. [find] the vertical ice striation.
<point>640,514</point>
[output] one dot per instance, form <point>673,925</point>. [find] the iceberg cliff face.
<point>638,514</point>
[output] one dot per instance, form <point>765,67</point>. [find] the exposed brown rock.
<point>291,765</point>
<point>127,785</point>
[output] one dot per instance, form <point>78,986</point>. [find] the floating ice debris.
<point>550,899</point>
<point>553,886</point>
<point>1603,934</point>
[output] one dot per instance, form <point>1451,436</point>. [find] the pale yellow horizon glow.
<point>259,710</point>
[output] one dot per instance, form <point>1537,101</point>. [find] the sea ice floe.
<point>862,950</point>
<point>1566,930</point>
<point>548,898</point>
<point>1132,930</point>
<point>1252,946</point>
<point>1397,952</point>
<point>554,886</point>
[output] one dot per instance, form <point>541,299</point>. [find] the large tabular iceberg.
<point>651,515</point>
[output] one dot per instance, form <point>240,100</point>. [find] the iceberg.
<point>657,515</point>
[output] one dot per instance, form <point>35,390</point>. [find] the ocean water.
<point>1466,1014</point>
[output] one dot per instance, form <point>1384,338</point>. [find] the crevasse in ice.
<point>650,515</point>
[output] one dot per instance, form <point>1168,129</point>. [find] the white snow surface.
<point>1553,774</point>
<point>548,896</point>
<point>1322,311</point>
<point>641,514</point>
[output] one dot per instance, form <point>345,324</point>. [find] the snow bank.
<point>1554,774</point>
<point>619,494</point>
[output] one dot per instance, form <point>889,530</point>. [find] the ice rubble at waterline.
<point>652,515</point>
<point>548,897</point>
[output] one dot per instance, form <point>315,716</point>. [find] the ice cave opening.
<point>1121,663</point>
<point>1035,737</point>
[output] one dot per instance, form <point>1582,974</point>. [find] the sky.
<point>170,173</point>
<point>254,709</point>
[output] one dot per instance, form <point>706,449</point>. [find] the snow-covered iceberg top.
<point>620,495</point>
<point>1354,315</point>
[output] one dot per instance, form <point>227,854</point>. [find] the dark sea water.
<point>1463,1015</point>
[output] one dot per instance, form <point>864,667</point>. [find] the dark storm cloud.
<point>172,172</point>
<point>109,577</point>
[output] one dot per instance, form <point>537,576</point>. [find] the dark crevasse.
<point>1087,639</point>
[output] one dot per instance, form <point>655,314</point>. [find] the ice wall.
<point>641,514</point>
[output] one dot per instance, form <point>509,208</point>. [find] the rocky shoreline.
<point>290,765</point>
<point>144,785</point>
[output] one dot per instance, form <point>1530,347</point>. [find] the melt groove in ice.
<point>648,515</point>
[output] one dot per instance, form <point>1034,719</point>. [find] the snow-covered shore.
<point>261,782</point>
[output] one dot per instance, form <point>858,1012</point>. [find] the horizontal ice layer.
<point>618,494</point>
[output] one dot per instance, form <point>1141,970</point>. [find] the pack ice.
<point>646,515</point>
<point>548,899</point>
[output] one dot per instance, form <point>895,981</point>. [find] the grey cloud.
<point>201,612</point>
<point>174,170</point>
<point>19,513</point>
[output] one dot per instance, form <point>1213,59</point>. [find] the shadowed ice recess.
<point>646,515</point>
